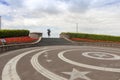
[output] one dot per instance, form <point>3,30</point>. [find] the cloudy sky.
<point>93,16</point>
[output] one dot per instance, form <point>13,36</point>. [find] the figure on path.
<point>48,31</point>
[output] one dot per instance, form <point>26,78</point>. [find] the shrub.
<point>13,33</point>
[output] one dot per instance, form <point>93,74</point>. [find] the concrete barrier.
<point>4,48</point>
<point>35,35</point>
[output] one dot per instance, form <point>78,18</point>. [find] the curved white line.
<point>61,56</point>
<point>9,72</point>
<point>35,63</point>
<point>114,57</point>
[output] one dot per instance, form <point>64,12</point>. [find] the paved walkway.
<point>61,62</point>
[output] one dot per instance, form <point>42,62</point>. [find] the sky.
<point>92,16</point>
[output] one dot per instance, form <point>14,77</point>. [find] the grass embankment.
<point>92,37</point>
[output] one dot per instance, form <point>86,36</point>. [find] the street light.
<point>77,27</point>
<point>0,22</point>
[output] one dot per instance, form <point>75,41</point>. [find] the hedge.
<point>94,36</point>
<point>13,33</point>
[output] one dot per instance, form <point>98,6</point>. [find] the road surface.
<point>61,60</point>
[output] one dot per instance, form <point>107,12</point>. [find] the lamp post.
<point>77,27</point>
<point>0,22</point>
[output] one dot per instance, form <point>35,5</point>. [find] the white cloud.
<point>45,6</point>
<point>93,16</point>
<point>4,10</point>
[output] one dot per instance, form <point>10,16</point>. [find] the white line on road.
<point>9,72</point>
<point>61,56</point>
<point>35,63</point>
<point>101,56</point>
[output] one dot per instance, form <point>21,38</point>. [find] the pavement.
<point>58,59</point>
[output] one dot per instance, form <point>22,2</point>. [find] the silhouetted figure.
<point>49,31</point>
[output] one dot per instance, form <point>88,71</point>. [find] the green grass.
<point>93,36</point>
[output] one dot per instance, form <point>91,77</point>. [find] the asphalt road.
<point>61,62</point>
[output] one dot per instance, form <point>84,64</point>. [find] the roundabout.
<point>61,63</point>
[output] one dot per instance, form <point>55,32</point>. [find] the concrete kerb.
<point>66,37</point>
<point>5,48</point>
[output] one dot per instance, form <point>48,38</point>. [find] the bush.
<point>13,33</point>
<point>93,36</point>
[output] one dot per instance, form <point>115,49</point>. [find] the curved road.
<point>61,61</point>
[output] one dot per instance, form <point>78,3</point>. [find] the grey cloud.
<point>79,6</point>
<point>52,9</point>
<point>46,6</point>
<point>15,3</point>
<point>105,3</point>
<point>52,6</point>
<point>34,14</point>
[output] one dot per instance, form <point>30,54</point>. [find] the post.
<point>0,22</point>
<point>77,27</point>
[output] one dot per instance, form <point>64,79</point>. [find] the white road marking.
<point>46,56</point>
<point>75,74</point>
<point>101,55</point>
<point>61,56</point>
<point>48,60</point>
<point>9,72</point>
<point>35,63</point>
